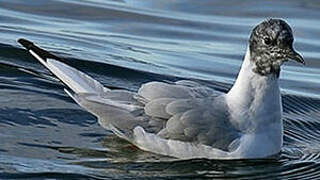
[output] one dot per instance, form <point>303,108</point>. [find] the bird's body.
<point>248,119</point>
<point>186,119</point>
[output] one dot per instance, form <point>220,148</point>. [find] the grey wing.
<point>201,120</point>
<point>146,108</point>
<point>194,113</point>
<point>184,111</point>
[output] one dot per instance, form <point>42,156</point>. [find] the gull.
<point>185,119</point>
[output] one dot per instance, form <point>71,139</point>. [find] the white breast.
<point>255,107</point>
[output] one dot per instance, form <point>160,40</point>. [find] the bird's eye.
<point>267,41</point>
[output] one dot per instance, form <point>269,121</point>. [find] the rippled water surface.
<point>124,43</point>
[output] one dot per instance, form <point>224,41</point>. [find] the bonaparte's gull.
<point>186,119</point>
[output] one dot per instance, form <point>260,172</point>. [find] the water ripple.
<point>129,42</point>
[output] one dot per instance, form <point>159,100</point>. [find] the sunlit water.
<point>44,134</point>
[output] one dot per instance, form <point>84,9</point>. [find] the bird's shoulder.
<point>179,89</point>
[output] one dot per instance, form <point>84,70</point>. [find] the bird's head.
<point>271,44</point>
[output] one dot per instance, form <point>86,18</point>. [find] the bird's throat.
<point>254,96</point>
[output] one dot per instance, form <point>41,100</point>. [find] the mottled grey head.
<point>271,44</point>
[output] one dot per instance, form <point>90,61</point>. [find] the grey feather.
<point>185,111</point>
<point>157,107</point>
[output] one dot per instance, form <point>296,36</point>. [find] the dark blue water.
<point>124,43</point>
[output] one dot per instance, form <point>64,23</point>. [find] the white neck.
<point>254,98</point>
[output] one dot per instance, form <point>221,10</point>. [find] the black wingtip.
<point>40,52</point>
<point>25,43</point>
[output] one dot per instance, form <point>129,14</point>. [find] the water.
<point>124,43</point>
